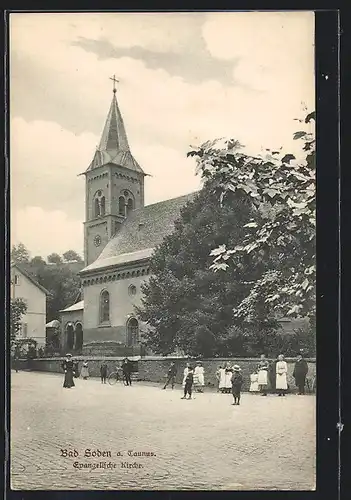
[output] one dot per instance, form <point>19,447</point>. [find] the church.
<point>120,234</point>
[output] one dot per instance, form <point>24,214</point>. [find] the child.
<point>254,382</point>
<point>84,372</point>
<point>237,382</point>
<point>188,383</point>
<point>103,372</point>
<point>199,379</point>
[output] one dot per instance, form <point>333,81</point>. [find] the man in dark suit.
<point>126,368</point>
<point>300,373</point>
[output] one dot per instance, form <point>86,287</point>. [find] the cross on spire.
<point>114,79</point>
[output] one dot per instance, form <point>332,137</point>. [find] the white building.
<point>24,286</point>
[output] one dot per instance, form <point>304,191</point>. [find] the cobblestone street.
<point>266,443</point>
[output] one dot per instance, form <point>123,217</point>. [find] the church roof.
<point>75,307</point>
<point>142,231</point>
<point>114,146</point>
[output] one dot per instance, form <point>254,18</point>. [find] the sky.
<point>184,78</point>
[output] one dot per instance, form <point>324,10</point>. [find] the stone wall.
<point>154,369</point>
<point>110,348</point>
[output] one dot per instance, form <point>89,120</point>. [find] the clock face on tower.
<point>97,240</point>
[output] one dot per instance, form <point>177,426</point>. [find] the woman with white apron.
<point>281,384</point>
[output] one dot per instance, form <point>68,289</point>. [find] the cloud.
<point>274,50</point>
<point>173,171</point>
<point>45,163</point>
<point>60,97</point>
<point>58,232</point>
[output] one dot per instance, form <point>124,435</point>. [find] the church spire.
<point>114,135</point>
<point>114,146</point>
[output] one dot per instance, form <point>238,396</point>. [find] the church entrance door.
<point>132,332</point>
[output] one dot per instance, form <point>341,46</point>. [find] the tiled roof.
<point>53,324</point>
<point>124,258</point>
<point>76,307</point>
<point>114,147</point>
<point>142,231</point>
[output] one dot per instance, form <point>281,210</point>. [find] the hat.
<point>236,368</point>
<point>198,363</point>
<point>68,355</point>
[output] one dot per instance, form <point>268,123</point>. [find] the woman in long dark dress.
<point>68,367</point>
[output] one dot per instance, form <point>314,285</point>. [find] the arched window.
<point>69,336</point>
<point>96,207</point>
<point>132,332</point>
<point>79,336</point>
<point>102,206</point>
<point>104,307</point>
<point>130,205</point>
<point>121,206</point>
<point>99,204</point>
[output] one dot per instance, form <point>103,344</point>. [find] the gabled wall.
<point>35,298</point>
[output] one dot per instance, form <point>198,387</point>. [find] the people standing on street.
<point>185,373</point>
<point>68,367</point>
<point>103,372</point>
<point>237,382</point>
<point>220,375</point>
<point>281,376</point>
<point>262,369</point>
<point>300,373</point>
<point>84,373</point>
<point>254,382</point>
<point>228,378</point>
<point>126,372</point>
<point>171,375</point>
<point>188,383</point>
<point>199,377</point>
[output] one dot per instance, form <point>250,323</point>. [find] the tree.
<point>17,309</point>
<point>188,306</point>
<point>281,234</point>
<point>63,285</point>
<point>54,258</point>
<point>71,255</point>
<point>20,254</point>
<point>37,261</point>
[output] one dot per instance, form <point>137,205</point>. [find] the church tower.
<point>114,185</point>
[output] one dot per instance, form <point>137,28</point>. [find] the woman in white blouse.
<point>281,376</point>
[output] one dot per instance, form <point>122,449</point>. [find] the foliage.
<point>60,280</point>
<point>188,306</point>
<point>71,255</point>
<point>20,254</point>
<point>63,285</point>
<point>37,261</point>
<point>25,348</point>
<point>17,309</point>
<point>54,258</point>
<point>281,233</point>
